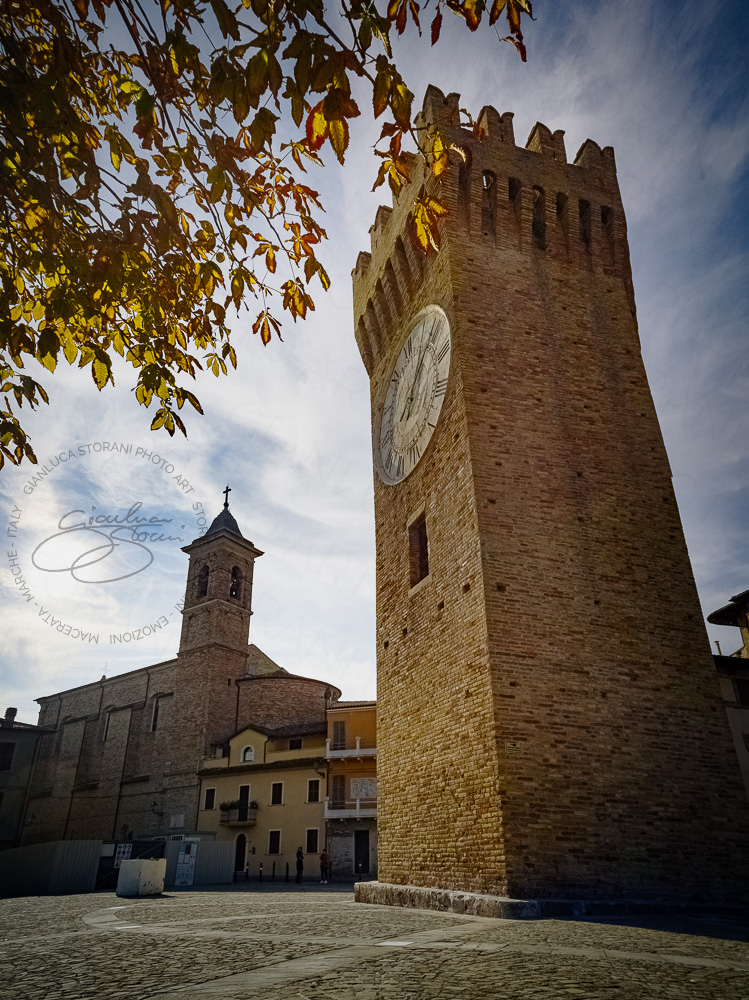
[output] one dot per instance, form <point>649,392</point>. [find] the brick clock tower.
<point>549,722</point>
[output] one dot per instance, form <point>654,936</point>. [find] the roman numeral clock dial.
<point>414,395</point>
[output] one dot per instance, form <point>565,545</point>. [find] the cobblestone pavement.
<point>317,945</point>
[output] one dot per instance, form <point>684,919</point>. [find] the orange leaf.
<point>317,126</point>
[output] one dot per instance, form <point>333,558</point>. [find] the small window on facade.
<point>276,793</point>
<point>203,581</point>
<point>418,550</point>
<point>107,719</point>
<point>248,755</point>
<point>209,801</point>
<point>312,839</point>
<point>563,215</point>
<point>742,691</point>
<point>295,743</point>
<point>539,217</point>
<point>235,587</point>
<point>339,736</point>
<point>155,716</point>
<point>313,790</point>
<point>489,204</point>
<point>339,791</point>
<point>274,842</point>
<point>585,222</point>
<point>6,755</point>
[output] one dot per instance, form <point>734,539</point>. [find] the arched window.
<point>235,587</point>
<point>248,755</point>
<point>240,852</point>
<point>203,581</point>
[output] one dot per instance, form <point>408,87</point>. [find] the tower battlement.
<point>527,200</point>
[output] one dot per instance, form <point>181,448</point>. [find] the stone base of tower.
<point>474,904</point>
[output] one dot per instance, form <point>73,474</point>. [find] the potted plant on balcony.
<point>237,812</point>
<point>229,811</point>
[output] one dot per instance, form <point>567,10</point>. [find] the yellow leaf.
<point>440,159</point>
<point>100,373</point>
<point>338,129</point>
<point>70,350</point>
<point>158,420</point>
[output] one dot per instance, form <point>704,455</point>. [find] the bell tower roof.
<point>224,525</point>
<point>226,521</point>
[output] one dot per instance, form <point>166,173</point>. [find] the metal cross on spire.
<point>227,491</point>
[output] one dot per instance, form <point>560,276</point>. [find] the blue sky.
<point>666,85</point>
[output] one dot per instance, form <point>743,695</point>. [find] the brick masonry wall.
<point>549,722</point>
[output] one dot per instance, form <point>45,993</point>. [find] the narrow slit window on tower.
<point>563,215</point>
<point>489,204</point>
<point>203,581</point>
<point>464,190</point>
<point>607,225</point>
<point>514,195</point>
<point>418,550</point>
<point>539,217</point>
<point>155,716</point>
<point>391,283</point>
<point>585,222</point>
<point>235,586</point>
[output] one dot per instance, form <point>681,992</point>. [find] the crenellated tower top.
<point>501,198</point>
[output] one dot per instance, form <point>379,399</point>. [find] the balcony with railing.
<point>335,749</point>
<point>244,814</point>
<point>350,808</point>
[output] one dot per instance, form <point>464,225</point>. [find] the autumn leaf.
<point>436,26</point>
<point>424,222</point>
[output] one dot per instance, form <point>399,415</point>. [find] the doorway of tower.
<point>361,852</point>
<point>240,853</point>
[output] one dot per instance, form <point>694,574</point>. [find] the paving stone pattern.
<point>305,944</point>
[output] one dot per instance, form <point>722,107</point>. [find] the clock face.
<point>414,396</point>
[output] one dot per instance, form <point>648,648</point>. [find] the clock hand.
<point>427,339</point>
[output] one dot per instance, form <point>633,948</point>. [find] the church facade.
<point>549,723</point>
<point>120,757</point>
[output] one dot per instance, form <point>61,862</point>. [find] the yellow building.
<point>351,800</point>
<point>267,796</point>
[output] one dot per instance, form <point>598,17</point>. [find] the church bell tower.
<point>549,723</point>
<point>218,596</point>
